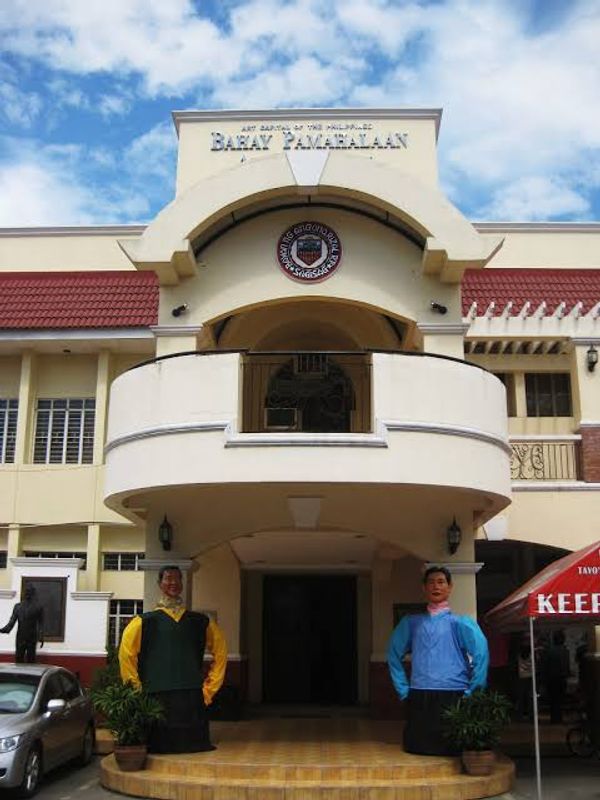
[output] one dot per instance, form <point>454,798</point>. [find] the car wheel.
<point>32,773</point>
<point>87,746</point>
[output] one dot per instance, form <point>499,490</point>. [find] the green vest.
<point>172,653</point>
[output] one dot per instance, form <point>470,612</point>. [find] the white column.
<point>444,339</point>
<point>102,387</point>
<point>25,418</point>
<point>13,548</point>
<point>93,558</point>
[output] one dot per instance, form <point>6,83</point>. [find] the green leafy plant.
<point>476,721</point>
<point>129,712</point>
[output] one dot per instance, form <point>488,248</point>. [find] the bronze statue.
<point>29,616</point>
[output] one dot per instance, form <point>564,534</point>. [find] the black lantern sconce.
<point>165,533</point>
<point>453,536</point>
<point>591,358</point>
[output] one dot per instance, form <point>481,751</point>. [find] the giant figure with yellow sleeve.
<point>163,651</point>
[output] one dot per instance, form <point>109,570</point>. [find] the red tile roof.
<point>33,300</point>
<point>554,286</point>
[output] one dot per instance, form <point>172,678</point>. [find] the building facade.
<point>308,376</point>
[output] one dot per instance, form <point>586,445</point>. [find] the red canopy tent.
<point>568,590</point>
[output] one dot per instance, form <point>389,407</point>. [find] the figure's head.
<point>437,584</point>
<point>170,581</point>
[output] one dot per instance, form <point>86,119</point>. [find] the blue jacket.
<point>449,653</point>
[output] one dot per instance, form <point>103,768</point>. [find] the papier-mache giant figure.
<point>449,658</point>
<point>163,651</point>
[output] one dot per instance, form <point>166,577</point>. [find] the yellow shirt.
<point>131,643</point>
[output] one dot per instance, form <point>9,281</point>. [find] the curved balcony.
<point>229,419</point>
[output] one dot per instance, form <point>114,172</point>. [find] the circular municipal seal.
<point>309,252</point>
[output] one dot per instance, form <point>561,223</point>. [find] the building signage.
<point>311,136</point>
<point>309,252</point>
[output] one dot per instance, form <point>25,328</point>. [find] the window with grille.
<point>120,615</point>
<point>123,562</point>
<point>3,559</point>
<point>548,394</point>
<point>56,554</point>
<point>64,431</point>
<point>8,430</point>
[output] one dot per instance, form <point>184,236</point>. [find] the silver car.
<point>45,720</point>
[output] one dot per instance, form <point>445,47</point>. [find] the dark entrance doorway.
<point>309,639</point>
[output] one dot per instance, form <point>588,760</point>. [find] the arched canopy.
<point>451,242</point>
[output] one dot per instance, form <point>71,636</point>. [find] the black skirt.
<point>424,732</point>
<point>184,728</point>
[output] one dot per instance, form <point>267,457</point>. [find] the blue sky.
<point>86,91</point>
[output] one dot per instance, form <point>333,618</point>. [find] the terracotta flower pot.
<point>478,762</point>
<point>130,757</point>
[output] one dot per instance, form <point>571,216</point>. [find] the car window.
<point>70,686</point>
<point>53,690</point>
<point>17,693</point>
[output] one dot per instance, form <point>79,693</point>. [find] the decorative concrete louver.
<point>530,311</point>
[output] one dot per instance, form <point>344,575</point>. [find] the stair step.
<point>370,770</point>
<point>169,786</point>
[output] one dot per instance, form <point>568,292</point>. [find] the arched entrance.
<point>312,393</point>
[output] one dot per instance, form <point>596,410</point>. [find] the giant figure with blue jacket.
<point>449,658</point>
<point>163,651</point>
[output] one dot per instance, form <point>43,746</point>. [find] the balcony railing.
<point>545,460</point>
<point>308,391</point>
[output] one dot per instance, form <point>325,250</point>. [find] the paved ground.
<point>74,783</point>
<point>563,779</point>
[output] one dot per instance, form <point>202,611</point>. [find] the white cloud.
<point>516,105</point>
<point>64,185</point>
<point>164,42</point>
<point>520,104</point>
<point>31,194</point>
<point>66,95</point>
<point>18,107</point>
<point>535,198</point>
<point>305,82</point>
<point>112,104</point>
<point>153,153</point>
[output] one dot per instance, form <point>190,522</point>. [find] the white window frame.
<point>57,554</point>
<point>119,556</point>
<point>120,619</point>
<point>9,412</point>
<point>61,411</point>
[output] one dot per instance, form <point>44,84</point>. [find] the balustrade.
<point>544,460</point>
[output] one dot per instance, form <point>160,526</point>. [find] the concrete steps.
<point>170,786</point>
<point>306,760</point>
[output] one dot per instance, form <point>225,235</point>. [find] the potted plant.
<point>474,724</point>
<point>105,676</point>
<point>129,714</point>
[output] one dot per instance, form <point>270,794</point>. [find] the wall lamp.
<point>438,307</point>
<point>591,358</point>
<point>453,536</point>
<point>165,533</point>
<point>179,310</point>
